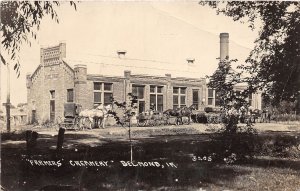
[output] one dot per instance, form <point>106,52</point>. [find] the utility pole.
<point>8,99</point>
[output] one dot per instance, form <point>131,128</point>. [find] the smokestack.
<point>224,46</point>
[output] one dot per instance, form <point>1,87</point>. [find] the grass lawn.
<point>275,166</point>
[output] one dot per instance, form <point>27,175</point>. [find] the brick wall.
<point>58,78</point>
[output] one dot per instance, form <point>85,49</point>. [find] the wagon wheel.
<point>252,119</point>
<point>142,122</point>
<point>76,124</point>
<point>80,124</point>
<point>158,122</point>
<point>150,122</point>
<point>184,121</point>
<point>209,119</point>
<point>58,124</point>
<point>220,120</point>
<point>216,120</point>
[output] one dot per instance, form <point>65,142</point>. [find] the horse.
<point>172,112</point>
<point>179,113</point>
<point>265,116</point>
<point>100,114</point>
<point>242,114</point>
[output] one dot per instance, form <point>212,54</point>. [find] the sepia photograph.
<point>128,95</point>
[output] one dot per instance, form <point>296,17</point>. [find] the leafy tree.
<point>129,110</point>
<point>20,21</point>
<point>232,142</point>
<point>223,81</point>
<point>274,63</point>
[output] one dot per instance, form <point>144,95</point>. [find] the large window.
<point>250,99</point>
<point>102,93</point>
<point>179,97</point>
<point>217,99</point>
<point>138,91</point>
<point>156,98</point>
<point>70,95</point>
<point>210,97</point>
<point>196,98</point>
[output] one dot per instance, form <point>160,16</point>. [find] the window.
<point>210,97</point>
<point>196,98</point>
<point>70,95</point>
<point>138,91</point>
<point>103,93</point>
<point>97,97</point>
<point>179,97</point>
<point>156,98</point>
<point>52,94</point>
<point>107,87</point>
<point>217,99</point>
<point>107,98</point>
<point>250,100</point>
<point>97,86</point>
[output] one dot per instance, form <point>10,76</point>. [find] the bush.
<point>241,143</point>
<point>201,118</point>
<point>15,136</point>
<point>280,146</point>
<point>286,117</point>
<point>208,109</point>
<point>233,143</point>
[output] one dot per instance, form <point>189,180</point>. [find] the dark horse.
<point>179,113</point>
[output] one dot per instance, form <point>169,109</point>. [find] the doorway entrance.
<point>52,110</point>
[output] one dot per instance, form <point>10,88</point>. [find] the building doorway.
<point>52,110</point>
<point>33,116</point>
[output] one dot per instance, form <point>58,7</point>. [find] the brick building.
<point>54,83</point>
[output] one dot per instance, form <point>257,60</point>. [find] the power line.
<point>143,67</point>
<point>127,58</point>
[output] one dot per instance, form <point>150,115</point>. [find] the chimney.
<point>168,76</point>
<point>127,74</point>
<point>190,60</point>
<point>121,53</point>
<point>224,46</point>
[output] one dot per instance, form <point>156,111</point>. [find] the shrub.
<point>14,135</point>
<point>208,109</point>
<point>280,146</point>
<point>242,142</point>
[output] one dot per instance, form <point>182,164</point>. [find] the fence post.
<point>60,139</point>
<point>31,140</point>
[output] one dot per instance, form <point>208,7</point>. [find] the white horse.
<point>100,114</point>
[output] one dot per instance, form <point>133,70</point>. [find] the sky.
<point>157,36</point>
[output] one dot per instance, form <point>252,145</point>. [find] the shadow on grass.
<point>18,174</point>
<point>268,162</point>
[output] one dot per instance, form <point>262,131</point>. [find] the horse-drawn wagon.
<point>71,116</point>
<point>151,118</point>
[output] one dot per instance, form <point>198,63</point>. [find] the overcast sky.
<point>167,33</point>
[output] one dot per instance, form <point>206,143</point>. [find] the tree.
<point>232,142</point>
<point>20,21</point>
<point>129,111</point>
<point>223,81</point>
<point>274,63</point>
